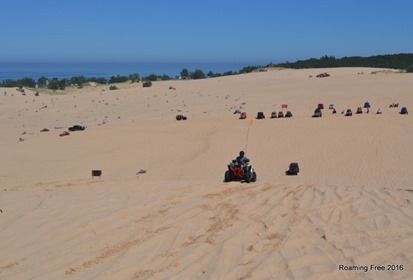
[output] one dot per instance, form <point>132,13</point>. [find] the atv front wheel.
<point>227,176</point>
<point>254,177</point>
<point>248,177</point>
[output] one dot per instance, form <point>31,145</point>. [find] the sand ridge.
<point>351,203</point>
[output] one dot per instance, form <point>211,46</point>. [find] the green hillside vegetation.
<point>403,61</point>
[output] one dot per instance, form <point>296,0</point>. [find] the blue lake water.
<point>15,71</point>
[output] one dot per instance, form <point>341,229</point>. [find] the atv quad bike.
<point>240,172</point>
<point>293,169</point>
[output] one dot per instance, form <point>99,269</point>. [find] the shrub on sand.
<point>147,84</point>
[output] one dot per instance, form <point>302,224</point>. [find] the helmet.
<point>241,153</point>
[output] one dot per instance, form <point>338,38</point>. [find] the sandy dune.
<point>350,205</point>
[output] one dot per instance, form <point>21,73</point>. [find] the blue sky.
<point>229,31</point>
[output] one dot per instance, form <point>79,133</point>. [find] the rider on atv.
<point>242,160</point>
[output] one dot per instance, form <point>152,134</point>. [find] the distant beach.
<point>15,71</point>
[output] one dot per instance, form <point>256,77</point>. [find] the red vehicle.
<point>280,114</point>
<point>243,115</point>
<point>320,106</point>
<point>240,172</point>
<point>359,110</point>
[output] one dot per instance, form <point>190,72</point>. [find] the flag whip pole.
<point>248,133</point>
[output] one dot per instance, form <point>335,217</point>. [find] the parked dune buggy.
<point>77,128</point>
<point>260,115</point>
<point>317,113</point>
<point>181,117</point>
<point>240,172</point>
<point>349,113</point>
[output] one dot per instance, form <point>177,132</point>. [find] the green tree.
<point>62,84</point>
<point>53,84</point>
<point>249,69</point>
<point>79,80</point>
<point>99,80</point>
<point>184,73</point>
<point>27,82</point>
<point>164,77</point>
<point>118,79</point>
<point>152,77</point>
<point>42,82</point>
<point>9,83</point>
<point>134,77</point>
<point>198,74</point>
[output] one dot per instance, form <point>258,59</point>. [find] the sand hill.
<point>350,207</point>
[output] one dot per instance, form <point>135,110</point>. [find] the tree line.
<point>60,84</point>
<point>403,61</point>
<point>199,74</point>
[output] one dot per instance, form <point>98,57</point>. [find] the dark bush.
<point>147,84</point>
